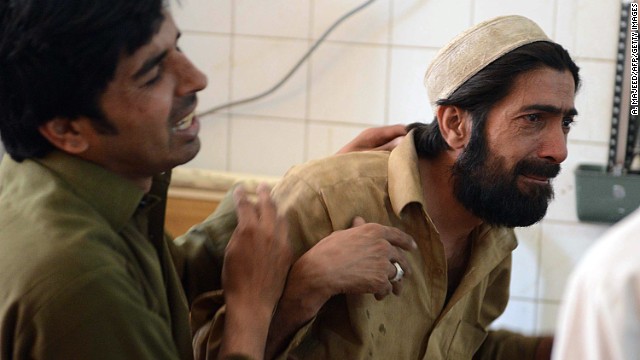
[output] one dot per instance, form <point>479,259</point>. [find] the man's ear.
<point>455,125</point>
<point>66,134</point>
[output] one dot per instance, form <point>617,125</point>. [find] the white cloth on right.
<point>600,313</point>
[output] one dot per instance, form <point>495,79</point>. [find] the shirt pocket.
<point>466,340</point>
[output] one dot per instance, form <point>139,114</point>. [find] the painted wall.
<point>369,72</point>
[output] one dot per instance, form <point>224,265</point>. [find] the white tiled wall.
<point>369,72</point>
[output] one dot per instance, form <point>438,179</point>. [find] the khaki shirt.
<point>85,269</point>
<point>324,196</point>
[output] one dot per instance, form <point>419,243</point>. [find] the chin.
<point>189,151</point>
<point>524,217</point>
<point>179,159</point>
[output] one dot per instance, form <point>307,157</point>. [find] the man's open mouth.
<point>185,123</point>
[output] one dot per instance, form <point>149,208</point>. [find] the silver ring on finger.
<point>399,272</point>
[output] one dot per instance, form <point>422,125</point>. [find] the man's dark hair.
<point>493,83</point>
<point>56,59</point>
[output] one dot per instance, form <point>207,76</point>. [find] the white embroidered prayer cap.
<point>474,49</point>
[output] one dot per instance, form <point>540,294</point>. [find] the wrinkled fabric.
<point>86,271</point>
<point>324,196</point>
<point>600,312</point>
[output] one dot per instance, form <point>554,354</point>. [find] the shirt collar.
<point>114,197</point>
<point>405,186</point>
<point>491,245</point>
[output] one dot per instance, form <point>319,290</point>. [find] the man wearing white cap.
<point>503,95</point>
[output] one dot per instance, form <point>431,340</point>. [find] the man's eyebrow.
<point>551,109</point>
<point>150,64</point>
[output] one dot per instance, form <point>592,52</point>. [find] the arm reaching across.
<point>377,138</point>
<point>358,260</point>
<point>257,260</point>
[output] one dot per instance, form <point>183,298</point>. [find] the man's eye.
<point>567,122</point>
<point>152,81</point>
<point>155,79</point>
<point>532,117</point>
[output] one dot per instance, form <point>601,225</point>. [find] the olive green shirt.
<point>85,269</point>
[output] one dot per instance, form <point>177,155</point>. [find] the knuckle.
<point>246,229</point>
<point>381,247</point>
<point>381,282</point>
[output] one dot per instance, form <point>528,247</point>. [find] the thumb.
<point>357,221</point>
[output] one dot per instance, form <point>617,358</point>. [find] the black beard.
<point>485,187</point>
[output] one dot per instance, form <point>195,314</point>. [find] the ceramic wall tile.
<point>541,11</point>
<point>598,24</point>
<point>594,101</point>
<point>430,23</point>
<point>563,245</point>
<point>210,53</point>
<point>566,25</point>
<point>272,18</point>
<point>348,84</point>
<point>325,139</point>
<point>370,25</point>
<point>214,143</point>
<point>408,101</point>
<point>203,15</point>
<point>258,65</point>
<point>547,316</point>
<point>519,316</point>
<point>526,262</point>
<point>265,146</point>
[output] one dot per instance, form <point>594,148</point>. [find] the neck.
<point>144,184</point>
<point>452,220</point>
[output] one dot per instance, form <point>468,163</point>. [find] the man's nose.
<point>190,78</point>
<point>553,145</point>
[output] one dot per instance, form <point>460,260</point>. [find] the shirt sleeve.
<point>198,254</point>
<point>294,198</point>
<point>207,321</point>
<point>502,344</point>
<point>600,314</point>
<point>309,222</point>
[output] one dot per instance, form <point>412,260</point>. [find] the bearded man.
<point>503,95</point>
